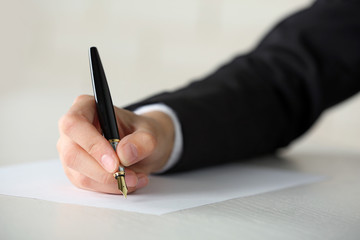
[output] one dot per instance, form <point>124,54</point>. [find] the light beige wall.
<point>146,46</point>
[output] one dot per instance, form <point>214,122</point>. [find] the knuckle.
<point>58,145</point>
<point>92,149</point>
<point>149,140</point>
<point>83,182</point>
<point>70,157</point>
<point>96,148</point>
<point>69,175</point>
<point>106,179</point>
<point>82,97</point>
<point>68,122</point>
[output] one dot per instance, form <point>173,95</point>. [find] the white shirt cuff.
<point>178,141</point>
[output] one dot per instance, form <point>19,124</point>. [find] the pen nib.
<point>120,178</point>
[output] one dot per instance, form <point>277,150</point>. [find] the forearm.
<point>262,101</point>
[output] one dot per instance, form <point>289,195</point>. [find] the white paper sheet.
<point>164,194</point>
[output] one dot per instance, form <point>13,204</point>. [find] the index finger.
<point>85,105</point>
<point>78,125</point>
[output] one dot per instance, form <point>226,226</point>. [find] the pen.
<point>105,110</point>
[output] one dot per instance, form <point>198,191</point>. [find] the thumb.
<point>135,147</point>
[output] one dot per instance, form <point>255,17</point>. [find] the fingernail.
<point>142,182</point>
<point>108,163</point>
<point>131,180</point>
<point>129,153</point>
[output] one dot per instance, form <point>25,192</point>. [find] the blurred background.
<point>146,47</point>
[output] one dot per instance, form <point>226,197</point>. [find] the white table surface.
<point>324,210</point>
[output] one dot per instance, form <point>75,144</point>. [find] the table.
<point>324,210</point>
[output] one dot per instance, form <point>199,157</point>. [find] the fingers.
<point>84,182</point>
<point>85,172</point>
<point>136,147</point>
<point>148,147</point>
<point>76,158</point>
<point>78,126</point>
<point>84,105</point>
<point>88,158</point>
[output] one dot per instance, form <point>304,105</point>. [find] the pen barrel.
<point>104,105</point>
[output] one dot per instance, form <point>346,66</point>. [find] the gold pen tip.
<point>123,186</point>
<point>120,177</point>
<point>124,192</point>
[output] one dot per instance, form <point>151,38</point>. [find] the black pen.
<point>105,110</point>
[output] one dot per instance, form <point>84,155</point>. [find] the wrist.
<point>165,137</point>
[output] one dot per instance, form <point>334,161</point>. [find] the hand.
<point>88,159</point>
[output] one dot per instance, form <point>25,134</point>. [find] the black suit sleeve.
<point>261,101</point>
